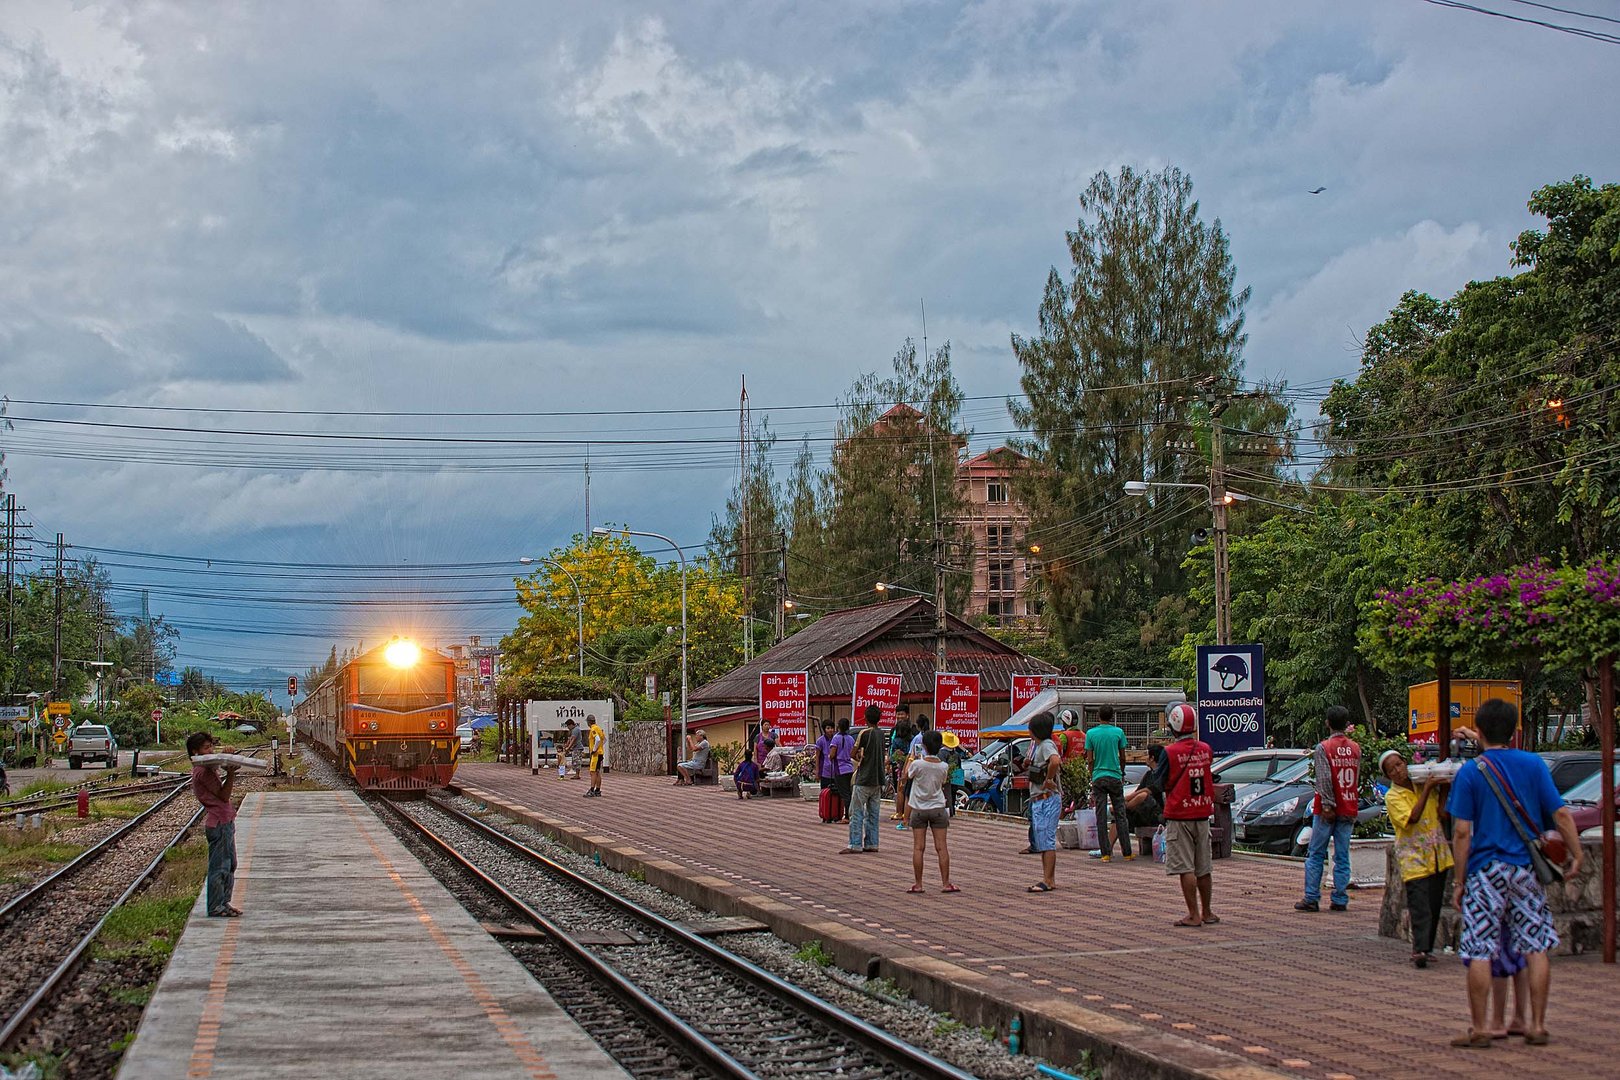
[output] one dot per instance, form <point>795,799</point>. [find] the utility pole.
<point>56,655</point>
<point>11,570</point>
<point>781,586</point>
<point>1218,502</point>
<point>939,600</point>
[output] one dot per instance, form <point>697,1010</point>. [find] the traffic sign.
<point>18,726</point>
<point>59,737</point>
<point>59,708</point>
<point>157,714</point>
<point>292,686</point>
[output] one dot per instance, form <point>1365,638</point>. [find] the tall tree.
<point>747,540</point>
<point>887,506</point>
<point>1146,331</point>
<point>1501,404</point>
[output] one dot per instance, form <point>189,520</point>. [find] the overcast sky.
<point>622,208</point>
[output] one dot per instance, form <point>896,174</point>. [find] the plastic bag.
<point>1158,844</point>
<point>1086,818</point>
<point>28,1071</point>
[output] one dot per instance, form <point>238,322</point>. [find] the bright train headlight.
<point>402,654</point>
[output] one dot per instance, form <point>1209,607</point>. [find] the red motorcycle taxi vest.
<point>1191,796</point>
<point>1344,766</point>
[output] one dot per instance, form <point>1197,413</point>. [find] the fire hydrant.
<point>84,802</point>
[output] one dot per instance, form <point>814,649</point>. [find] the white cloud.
<point>1313,330</point>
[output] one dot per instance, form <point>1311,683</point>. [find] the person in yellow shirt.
<point>595,745</point>
<point>1421,850</point>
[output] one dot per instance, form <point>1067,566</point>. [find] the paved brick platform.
<point>1094,965</point>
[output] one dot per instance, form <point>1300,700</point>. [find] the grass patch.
<point>814,952</point>
<point>22,853</point>
<point>133,995</point>
<point>150,925</point>
<point>44,786</point>
<point>887,987</point>
<point>948,1026</point>
<point>120,809</point>
<point>122,1043</point>
<point>637,873</point>
<point>147,928</point>
<point>49,1065</point>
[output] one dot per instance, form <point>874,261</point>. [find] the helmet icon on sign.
<point>1232,672</point>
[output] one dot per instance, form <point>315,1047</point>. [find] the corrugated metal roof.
<point>894,636</point>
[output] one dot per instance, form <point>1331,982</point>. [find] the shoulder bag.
<point>1546,872</point>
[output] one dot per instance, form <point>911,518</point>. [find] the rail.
<point>911,1060</point>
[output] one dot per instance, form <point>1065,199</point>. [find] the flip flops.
<point>1040,886</point>
<point>1474,1040</point>
<point>915,889</point>
<point>950,888</point>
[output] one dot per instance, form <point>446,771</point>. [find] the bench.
<point>1144,839</point>
<point>708,774</point>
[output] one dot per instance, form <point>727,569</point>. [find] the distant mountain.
<point>255,680</point>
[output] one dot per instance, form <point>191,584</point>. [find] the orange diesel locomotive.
<point>387,718</point>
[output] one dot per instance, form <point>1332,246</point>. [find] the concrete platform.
<point>1093,966</point>
<point>351,961</point>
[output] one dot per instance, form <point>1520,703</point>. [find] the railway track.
<point>714,1013</point>
<point>58,800</point>
<point>50,927</point>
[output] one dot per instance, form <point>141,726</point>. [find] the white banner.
<point>545,719</point>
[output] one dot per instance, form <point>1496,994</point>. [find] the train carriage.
<point>387,718</point>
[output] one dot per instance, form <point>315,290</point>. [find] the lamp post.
<point>1219,499</point>
<point>602,531</point>
<point>579,602</point>
<point>99,675</point>
<point>938,600</point>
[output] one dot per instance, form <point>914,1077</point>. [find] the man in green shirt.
<point>1105,749</point>
<point>867,792</point>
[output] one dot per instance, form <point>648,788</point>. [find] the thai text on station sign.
<point>875,688</point>
<point>1026,687</point>
<point>956,706</point>
<point>784,704</point>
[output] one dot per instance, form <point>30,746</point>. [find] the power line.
<point>1594,35</point>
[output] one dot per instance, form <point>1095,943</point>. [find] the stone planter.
<point>728,782</point>
<point>1369,861</point>
<point>810,792</point>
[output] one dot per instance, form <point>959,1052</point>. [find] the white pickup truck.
<point>92,742</point>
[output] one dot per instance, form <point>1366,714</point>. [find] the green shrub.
<point>814,952</point>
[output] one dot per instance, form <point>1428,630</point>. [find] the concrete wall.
<point>639,748</point>
<point>1577,908</point>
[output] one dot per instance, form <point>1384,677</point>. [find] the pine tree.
<point>1148,321</point>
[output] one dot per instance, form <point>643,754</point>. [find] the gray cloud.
<point>544,206</point>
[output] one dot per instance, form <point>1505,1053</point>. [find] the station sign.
<point>878,688</point>
<point>784,704</point>
<point>13,712</point>
<point>956,706</point>
<point>1026,687</point>
<point>1231,697</point>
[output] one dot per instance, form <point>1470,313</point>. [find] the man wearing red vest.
<point>1183,774</point>
<point>1338,797</point>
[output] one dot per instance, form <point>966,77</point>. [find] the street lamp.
<point>603,531</point>
<point>99,675</point>
<point>579,602</point>
<point>889,586</point>
<point>1220,497</point>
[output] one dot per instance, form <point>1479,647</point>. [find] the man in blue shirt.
<point>1496,889</point>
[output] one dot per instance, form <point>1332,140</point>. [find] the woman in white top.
<point>929,811</point>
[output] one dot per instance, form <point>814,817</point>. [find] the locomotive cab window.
<point>388,687</point>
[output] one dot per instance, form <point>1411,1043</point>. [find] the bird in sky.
<point>1316,191</point>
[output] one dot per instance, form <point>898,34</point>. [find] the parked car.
<point>92,742</point>
<point>1275,816</point>
<point>1585,800</point>
<point>1252,766</point>
<point>1570,767</point>
<point>466,734</point>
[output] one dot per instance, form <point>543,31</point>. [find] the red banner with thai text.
<point>1026,687</point>
<point>956,706</point>
<point>875,688</point>
<point>784,705</point>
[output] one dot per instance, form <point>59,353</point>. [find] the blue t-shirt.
<point>1107,745</point>
<point>1494,837</point>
